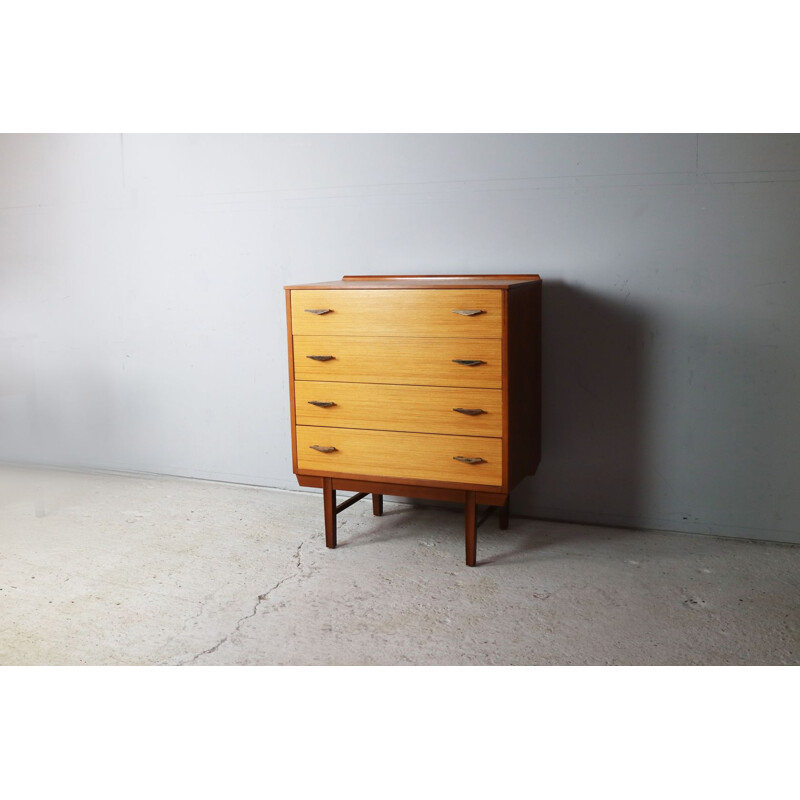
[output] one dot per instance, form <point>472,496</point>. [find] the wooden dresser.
<point>416,386</point>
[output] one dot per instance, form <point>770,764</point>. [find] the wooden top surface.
<point>422,282</point>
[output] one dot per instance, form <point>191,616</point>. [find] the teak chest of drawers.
<point>416,386</point>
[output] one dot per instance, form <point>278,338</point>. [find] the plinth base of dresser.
<point>471,498</point>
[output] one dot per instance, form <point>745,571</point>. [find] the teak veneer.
<point>425,386</point>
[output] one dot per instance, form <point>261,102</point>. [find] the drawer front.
<point>389,454</point>
<point>398,312</point>
<point>426,362</point>
<point>425,409</point>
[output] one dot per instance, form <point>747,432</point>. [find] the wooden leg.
<point>377,505</point>
<point>471,528</point>
<point>504,515</point>
<point>329,501</point>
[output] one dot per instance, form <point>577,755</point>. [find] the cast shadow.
<point>594,402</point>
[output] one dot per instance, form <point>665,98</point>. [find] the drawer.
<point>398,312</point>
<point>426,362</point>
<point>425,409</point>
<point>389,454</point>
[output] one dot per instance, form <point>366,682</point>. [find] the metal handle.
<point>321,358</point>
<point>466,460</point>
<point>471,412</point>
<point>318,310</point>
<point>322,403</point>
<point>467,362</point>
<point>322,449</point>
<point>468,312</point>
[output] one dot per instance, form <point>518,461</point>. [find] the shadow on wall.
<point>593,410</point>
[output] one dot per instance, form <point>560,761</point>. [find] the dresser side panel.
<point>524,380</point>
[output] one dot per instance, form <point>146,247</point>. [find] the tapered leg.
<point>471,528</point>
<point>329,501</point>
<point>377,505</point>
<point>504,515</point>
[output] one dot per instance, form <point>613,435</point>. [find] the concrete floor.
<point>99,569</point>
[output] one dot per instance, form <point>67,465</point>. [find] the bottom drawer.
<point>389,454</point>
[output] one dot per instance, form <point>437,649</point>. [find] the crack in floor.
<point>186,622</point>
<point>259,600</point>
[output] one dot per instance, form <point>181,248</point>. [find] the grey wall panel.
<point>254,163</point>
<point>724,154</point>
<point>142,320</point>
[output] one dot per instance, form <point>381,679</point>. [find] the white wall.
<point>142,319</point>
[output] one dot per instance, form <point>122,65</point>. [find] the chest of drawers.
<point>416,386</point>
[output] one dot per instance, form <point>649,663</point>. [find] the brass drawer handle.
<point>318,310</point>
<point>467,362</point>
<point>322,449</point>
<point>470,412</point>
<point>321,358</point>
<point>322,403</point>
<point>468,312</point>
<point>466,460</point>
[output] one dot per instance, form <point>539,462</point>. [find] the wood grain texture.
<point>497,281</point>
<point>397,312</point>
<point>423,409</point>
<point>427,362</point>
<point>400,455</point>
<point>424,490</point>
<point>329,506</point>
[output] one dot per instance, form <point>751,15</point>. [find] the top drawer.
<point>461,313</point>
